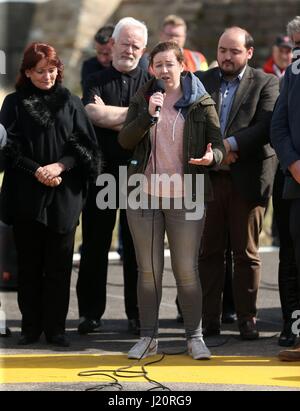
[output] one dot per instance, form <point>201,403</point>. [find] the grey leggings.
<point>184,240</point>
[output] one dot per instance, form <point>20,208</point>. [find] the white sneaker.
<point>197,349</point>
<point>145,347</point>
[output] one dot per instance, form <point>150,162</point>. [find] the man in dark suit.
<point>245,98</point>
<point>285,138</point>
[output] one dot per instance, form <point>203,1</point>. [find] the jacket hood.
<point>193,90</point>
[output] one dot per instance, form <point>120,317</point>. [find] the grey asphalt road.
<point>115,338</point>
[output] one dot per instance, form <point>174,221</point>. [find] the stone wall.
<point>206,19</point>
<point>15,21</point>
<point>263,19</point>
<point>70,25</point>
<point>153,12</point>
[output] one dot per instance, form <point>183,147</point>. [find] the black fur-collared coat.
<point>44,127</point>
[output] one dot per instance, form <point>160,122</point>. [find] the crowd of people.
<point>159,112</point>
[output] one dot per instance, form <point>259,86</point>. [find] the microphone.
<point>159,86</point>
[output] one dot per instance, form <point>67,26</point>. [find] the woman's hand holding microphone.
<point>155,103</point>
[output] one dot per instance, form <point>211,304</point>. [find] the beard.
<point>127,63</point>
<point>230,69</point>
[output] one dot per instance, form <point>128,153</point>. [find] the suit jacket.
<point>249,122</point>
<point>285,128</point>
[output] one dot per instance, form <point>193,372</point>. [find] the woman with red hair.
<point>50,156</point>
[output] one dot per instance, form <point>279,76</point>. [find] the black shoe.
<point>248,330</point>
<point>287,338</point>
<point>59,340</point>
<point>134,326</point>
<point>179,318</point>
<point>28,339</point>
<point>228,318</point>
<point>87,326</point>
<point>6,334</point>
<point>211,332</point>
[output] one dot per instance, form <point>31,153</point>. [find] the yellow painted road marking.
<point>266,371</point>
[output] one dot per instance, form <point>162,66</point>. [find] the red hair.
<point>33,54</point>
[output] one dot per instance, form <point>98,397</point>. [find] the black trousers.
<point>288,274</point>
<point>97,230</point>
<point>44,272</point>
<point>228,299</point>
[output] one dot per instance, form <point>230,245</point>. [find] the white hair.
<point>130,22</point>
<point>293,27</point>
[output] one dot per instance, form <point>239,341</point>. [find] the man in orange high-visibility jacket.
<point>174,28</point>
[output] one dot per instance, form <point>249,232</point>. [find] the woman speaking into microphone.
<point>181,137</point>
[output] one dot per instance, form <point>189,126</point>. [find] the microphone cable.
<point>144,373</point>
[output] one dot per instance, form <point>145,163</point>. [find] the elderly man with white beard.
<point>106,97</point>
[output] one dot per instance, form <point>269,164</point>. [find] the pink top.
<point>169,155</point>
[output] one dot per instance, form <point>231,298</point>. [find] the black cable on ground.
<point>101,373</point>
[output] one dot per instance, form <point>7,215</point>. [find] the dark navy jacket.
<point>285,127</point>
